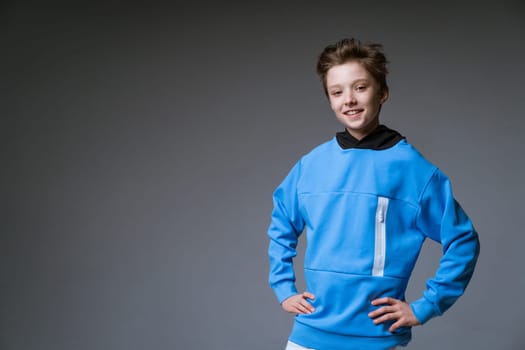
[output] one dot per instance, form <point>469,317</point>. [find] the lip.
<point>358,112</point>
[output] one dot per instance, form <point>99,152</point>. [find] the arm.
<point>285,228</point>
<point>443,220</point>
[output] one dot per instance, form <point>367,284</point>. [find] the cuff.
<point>424,310</point>
<point>284,290</point>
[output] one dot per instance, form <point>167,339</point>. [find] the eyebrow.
<point>361,80</point>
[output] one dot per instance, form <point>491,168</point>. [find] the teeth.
<point>352,112</point>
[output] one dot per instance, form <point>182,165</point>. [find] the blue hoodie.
<point>366,213</point>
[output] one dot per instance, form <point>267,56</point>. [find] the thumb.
<point>308,295</point>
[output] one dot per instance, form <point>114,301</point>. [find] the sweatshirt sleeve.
<point>285,228</point>
<point>442,219</point>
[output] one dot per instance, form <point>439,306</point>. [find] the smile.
<point>353,112</point>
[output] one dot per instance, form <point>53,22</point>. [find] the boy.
<point>367,200</point>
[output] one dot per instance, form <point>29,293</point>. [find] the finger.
<point>307,305</point>
<point>386,317</point>
<point>292,308</point>
<point>382,310</point>
<point>302,309</point>
<point>385,300</point>
<point>396,325</point>
<point>296,310</point>
<point>289,304</point>
<point>308,295</point>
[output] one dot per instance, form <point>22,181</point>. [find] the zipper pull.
<point>381,215</point>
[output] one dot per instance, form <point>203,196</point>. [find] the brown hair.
<point>369,55</point>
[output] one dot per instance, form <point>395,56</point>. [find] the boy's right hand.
<point>297,304</point>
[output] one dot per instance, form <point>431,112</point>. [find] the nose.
<point>349,98</point>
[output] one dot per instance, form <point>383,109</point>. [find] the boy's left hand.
<point>394,309</point>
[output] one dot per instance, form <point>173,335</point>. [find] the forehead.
<point>346,73</point>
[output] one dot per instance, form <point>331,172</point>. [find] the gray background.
<point>140,146</point>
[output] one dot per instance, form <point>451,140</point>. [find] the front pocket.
<point>378,268</point>
<point>343,301</point>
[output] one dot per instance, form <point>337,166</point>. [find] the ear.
<point>383,96</point>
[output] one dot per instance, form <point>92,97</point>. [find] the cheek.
<point>334,105</point>
<point>374,102</point>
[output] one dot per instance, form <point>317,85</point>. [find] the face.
<point>355,98</point>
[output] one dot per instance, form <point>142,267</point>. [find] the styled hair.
<point>369,55</point>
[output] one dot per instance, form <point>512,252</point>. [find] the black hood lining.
<point>380,138</point>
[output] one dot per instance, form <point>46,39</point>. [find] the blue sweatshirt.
<point>366,213</point>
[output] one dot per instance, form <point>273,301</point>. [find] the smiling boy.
<point>355,97</point>
<point>367,200</point>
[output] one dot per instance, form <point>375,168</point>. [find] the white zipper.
<point>380,237</point>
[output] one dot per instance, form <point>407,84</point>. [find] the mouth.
<point>352,112</point>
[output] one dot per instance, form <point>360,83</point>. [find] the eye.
<point>335,93</point>
<point>360,88</point>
